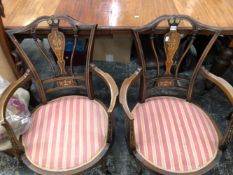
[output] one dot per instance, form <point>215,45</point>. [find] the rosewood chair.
<point>71,133</point>
<point>167,132</point>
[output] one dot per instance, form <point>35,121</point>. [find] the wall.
<point>116,49</point>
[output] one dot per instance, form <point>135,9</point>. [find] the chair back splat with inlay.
<point>171,50</point>
<point>51,48</point>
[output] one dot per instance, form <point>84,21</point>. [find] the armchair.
<point>70,133</point>
<point>168,133</point>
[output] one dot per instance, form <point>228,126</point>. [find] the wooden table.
<point>120,13</point>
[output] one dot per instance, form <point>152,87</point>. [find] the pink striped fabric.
<point>174,135</point>
<point>66,133</point>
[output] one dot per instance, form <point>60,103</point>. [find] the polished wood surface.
<point>120,13</point>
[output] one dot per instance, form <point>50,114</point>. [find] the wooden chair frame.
<point>64,81</point>
<point>167,80</point>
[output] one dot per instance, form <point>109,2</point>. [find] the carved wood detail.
<point>57,42</point>
<point>171,44</point>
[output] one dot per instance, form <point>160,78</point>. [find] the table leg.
<point>5,45</point>
<point>1,9</point>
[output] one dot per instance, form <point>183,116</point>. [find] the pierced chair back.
<point>169,53</point>
<point>49,48</point>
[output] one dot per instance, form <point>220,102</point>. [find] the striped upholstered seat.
<point>174,135</point>
<point>67,133</point>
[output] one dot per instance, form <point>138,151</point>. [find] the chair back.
<point>52,47</point>
<point>165,51</point>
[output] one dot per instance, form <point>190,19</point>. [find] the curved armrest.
<point>228,90</point>
<point>16,144</point>
<point>124,90</point>
<point>218,81</point>
<point>10,91</point>
<point>110,83</point>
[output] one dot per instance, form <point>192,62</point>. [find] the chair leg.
<point>229,116</point>
<point>104,167</point>
<point>136,166</point>
<point>11,154</point>
<point>140,172</point>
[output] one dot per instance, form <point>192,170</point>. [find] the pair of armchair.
<point>72,133</point>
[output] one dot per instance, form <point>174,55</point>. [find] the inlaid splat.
<point>57,43</point>
<point>171,44</point>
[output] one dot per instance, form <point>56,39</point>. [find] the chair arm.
<point>218,81</point>
<point>124,90</point>
<point>228,90</point>
<point>10,91</point>
<point>110,83</point>
<point>17,146</point>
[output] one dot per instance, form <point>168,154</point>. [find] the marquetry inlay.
<point>166,83</point>
<point>57,43</point>
<point>63,83</point>
<point>171,44</point>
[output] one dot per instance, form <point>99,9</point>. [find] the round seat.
<point>66,134</point>
<point>174,135</point>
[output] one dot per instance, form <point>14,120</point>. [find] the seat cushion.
<point>66,133</point>
<point>174,135</point>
